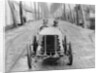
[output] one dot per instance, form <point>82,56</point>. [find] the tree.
<point>77,14</point>
<point>38,11</point>
<point>71,14</point>
<point>12,11</point>
<point>83,16</point>
<point>21,13</point>
<point>44,9</point>
<point>54,7</point>
<point>35,9</point>
<point>64,11</point>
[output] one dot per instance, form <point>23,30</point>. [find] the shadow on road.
<point>50,62</point>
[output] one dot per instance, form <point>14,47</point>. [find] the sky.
<point>29,4</point>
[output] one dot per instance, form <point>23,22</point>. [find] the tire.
<point>70,56</point>
<point>34,45</point>
<point>65,46</point>
<point>29,58</point>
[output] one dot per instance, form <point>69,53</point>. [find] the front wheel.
<point>70,56</point>
<point>65,45</point>
<point>29,58</point>
<point>34,45</point>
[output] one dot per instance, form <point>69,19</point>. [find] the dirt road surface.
<point>16,41</point>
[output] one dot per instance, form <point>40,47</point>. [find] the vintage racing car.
<point>49,42</point>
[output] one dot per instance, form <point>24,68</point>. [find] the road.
<point>16,41</point>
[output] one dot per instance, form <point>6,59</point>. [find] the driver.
<point>55,23</point>
<point>45,22</point>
